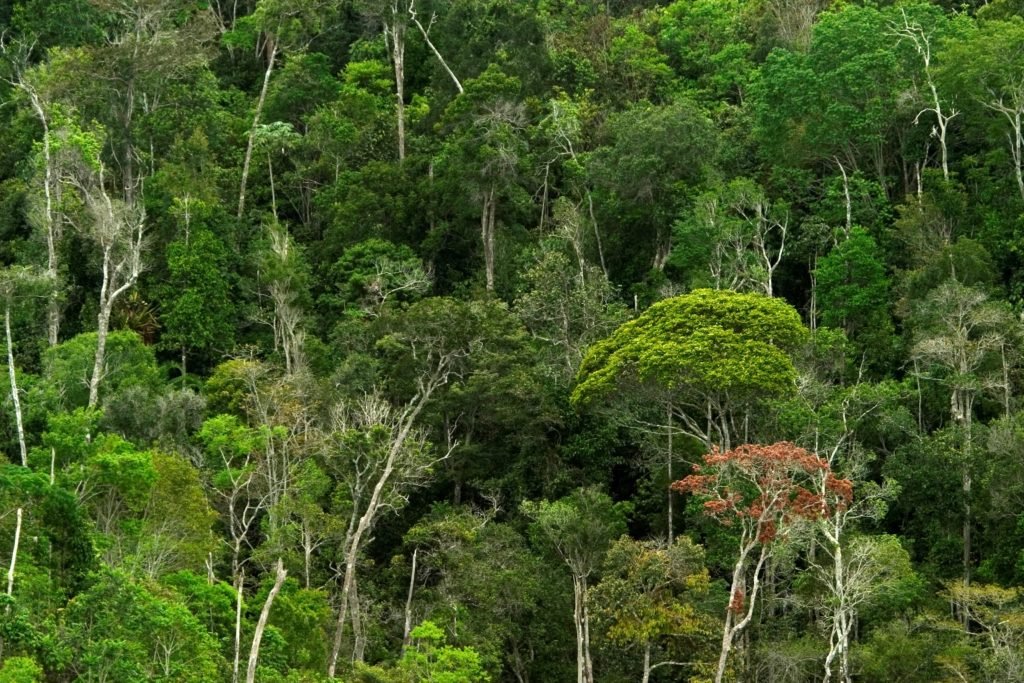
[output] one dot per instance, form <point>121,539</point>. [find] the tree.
<point>117,229</point>
<point>196,311</point>
<point>646,598</point>
<point>761,491</point>
<point>287,280</point>
<point>274,26</point>
<point>427,348</point>
<point>17,282</point>
<point>378,455</point>
<point>706,358</point>
<point>964,335</point>
<point>489,145</point>
<point>654,154</point>
<point>853,294</point>
<point>985,64</point>
<point>579,529</point>
<point>743,233</point>
<point>429,659</point>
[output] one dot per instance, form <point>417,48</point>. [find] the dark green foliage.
<point>513,305</point>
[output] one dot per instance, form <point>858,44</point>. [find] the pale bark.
<point>271,59</point>
<point>846,195</point>
<point>261,625</point>
<point>358,634</point>
<point>732,627</point>
<point>118,230</point>
<point>487,236</point>
<point>14,388</point>
<point>238,626</point>
<point>425,32</point>
<point>354,541</point>
<point>408,600</point>
<point>922,44</point>
<point>14,557</point>
<point>394,35</point>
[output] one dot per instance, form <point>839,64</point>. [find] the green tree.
<point>853,295</point>
<point>578,529</point>
<point>705,359</point>
<point>646,599</point>
<point>196,309</point>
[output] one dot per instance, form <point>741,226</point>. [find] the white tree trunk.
<point>366,521</point>
<point>271,59</point>
<point>732,627</point>
<point>408,600</point>
<point>430,44</point>
<point>238,626</point>
<point>395,35</point>
<point>261,625</point>
<point>14,557</point>
<point>102,328</point>
<point>14,388</point>
<point>487,236</point>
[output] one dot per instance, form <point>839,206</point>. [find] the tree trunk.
<point>238,625</point>
<point>358,634</point>
<point>261,625</point>
<point>271,59</point>
<point>487,236</point>
<point>395,34</point>
<point>587,661</point>
<point>368,518</point>
<point>732,627</point>
<point>647,663</point>
<point>15,399</point>
<point>408,600</point>
<point>102,328</point>
<point>597,233</point>
<point>49,220</point>
<point>578,588</point>
<point>14,557</point>
<point>430,44</point>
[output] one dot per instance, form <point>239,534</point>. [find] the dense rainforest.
<point>525,341</point>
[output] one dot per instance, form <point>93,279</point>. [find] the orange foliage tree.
<point>761,490</point>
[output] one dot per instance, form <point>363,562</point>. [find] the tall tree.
<point>579,529</point>
<point>761,490</point>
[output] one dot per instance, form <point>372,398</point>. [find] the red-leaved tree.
<point>761,490</point>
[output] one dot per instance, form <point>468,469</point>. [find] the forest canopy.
<point>479,341</point>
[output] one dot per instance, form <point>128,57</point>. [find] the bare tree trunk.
<point>597,232</point>
<point>118,277</point>
<point>408,600</point>
<point>102,328</point>
<point>238,625</point>
<point>14,558</point>
<point>647,663</point>
<point>51,226</point>
<point>261,625</point>
<point>587,661</point>
<point>395,35</point>
<point>426,37</point>
<point>1016,145</point>
<point>487,236</point>
<point>271,59</point>
<point>846,194</point>
<point>732,627</point>
<point>366,521</point>
<point>14,388</point>
<point>358,634</point>
<point>578,588</point>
